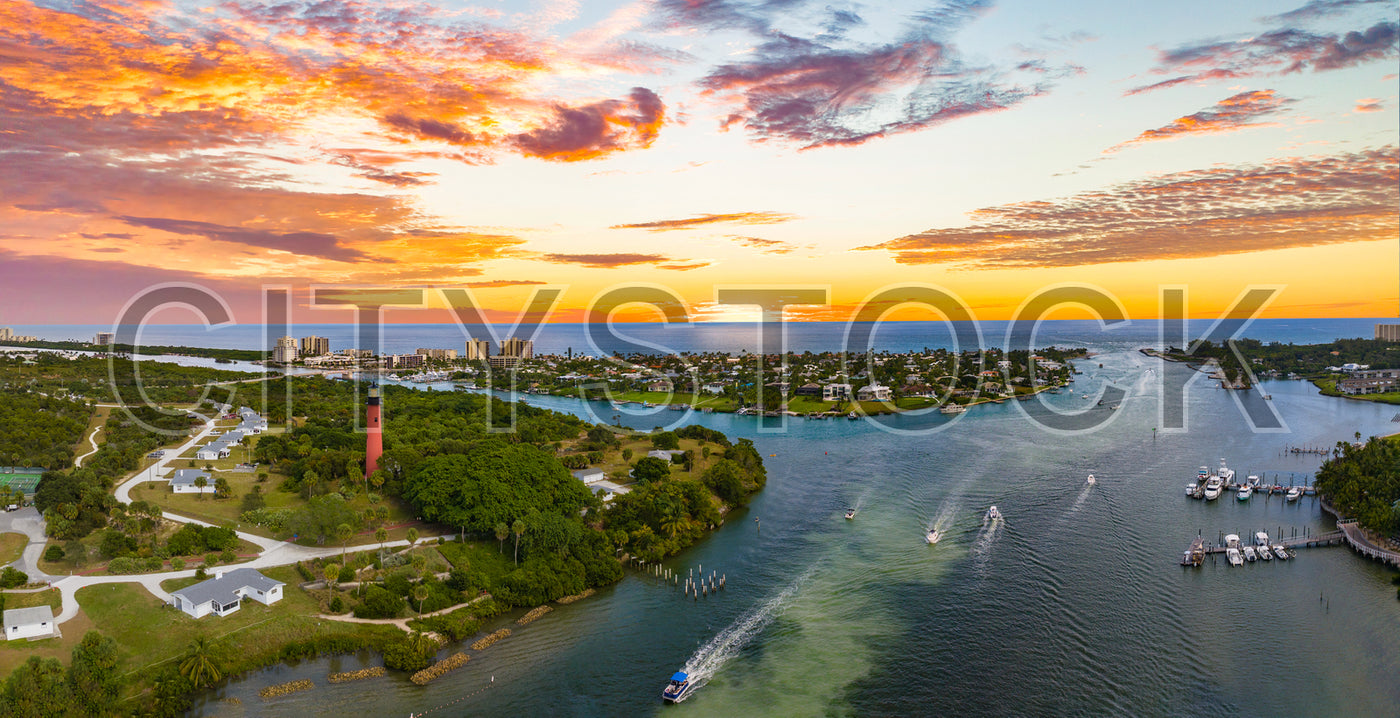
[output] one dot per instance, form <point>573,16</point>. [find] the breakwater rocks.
<point>486,642</point>
<point>283,689</point>
<point>440,669</point>
<point>576,597</point>
<point>533,615</point>
<point>359,675</point>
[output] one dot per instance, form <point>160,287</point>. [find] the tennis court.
<point>20,478</point>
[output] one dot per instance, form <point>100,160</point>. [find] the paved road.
<point>29,522</point>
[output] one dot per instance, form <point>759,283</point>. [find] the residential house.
<point>183,482</point>
<point>224,593</point>
<point>873,392</point>
<point>591,475</point>
<point>836,392</point>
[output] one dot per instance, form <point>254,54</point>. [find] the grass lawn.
<point>1329,387</point>
<point>13,653</point>
<point>149,633</point>
<point>11,546</point>
<point>616,468</point>
<point>481,556</point>
<point>52,598</point>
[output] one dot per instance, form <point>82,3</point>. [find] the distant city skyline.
<point>993,148</point>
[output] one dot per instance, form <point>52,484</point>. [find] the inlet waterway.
<point>1073,605</point>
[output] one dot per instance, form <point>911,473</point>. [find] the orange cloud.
<point>667,225</point>
<point>1232,113</point>
<point>1298,202</point>
<point>622,259</point>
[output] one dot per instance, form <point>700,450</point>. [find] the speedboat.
<point>993,514</point>
<point>1213,488</point>
<point>1244,493</point>
<point>1249,554</point>
<point>1261,538</point>
<point>1281,552</point>
<point>850,513</point>
<point>1232,540</point>
<point>1233,555</point>
<point>1294,493</point>
<point>1265,553</point>
<point>933,537</point>
<point>1192,491</point>
<point>676,689</point>
<point>1090,481</point>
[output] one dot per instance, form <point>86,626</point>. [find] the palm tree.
<point>517,528</point>
<point>198,666</point>
<point>502,531</point>
<point>381,535</point>
<point>344,532</point>
<point>420,592</point>
<point>199,483</point>
<point>332,572</point>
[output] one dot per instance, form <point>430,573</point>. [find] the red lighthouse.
<point>374,429</point>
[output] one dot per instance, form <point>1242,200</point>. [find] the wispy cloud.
<point>1232,113</point>
<point>497,283</point>
<point>1369,104</point>
<point>668,225</point>
<point>1223,210</point>
<point>767,246</point>
<point>1282,51</point>
<point>622,259</point>
<point>1317,9</point>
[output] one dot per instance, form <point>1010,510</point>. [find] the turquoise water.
<point>1074,605</point>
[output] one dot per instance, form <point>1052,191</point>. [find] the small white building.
<point>183,482</point>
<point>664,454</point>
<point>36,622</point>
<point>223,594</point>
<point>590,476</point>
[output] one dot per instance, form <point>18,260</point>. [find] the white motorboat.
<point>1249,554</point>
<point>1294,493</point>
<point>1226,474</point>
<point>1244,493</point>
<point>1193,490</point>
<point>1090,481</point>
<point>1213,488</point>
<point>1264,553</point>
<point>1280,552</point>
<point>1232,540</point>
<point>1233,555</point>
<point>1253,481</point>
<point>933,537</point>
<point>993,514</point>
<point>850,514</point>
<point>1261,538</point>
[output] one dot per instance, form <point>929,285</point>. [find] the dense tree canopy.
<point>1364,483</point>
<point>493,482</point>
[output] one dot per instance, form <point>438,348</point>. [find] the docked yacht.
<point>676,689</point>
<point>1226,474</point>
<point>993,514</point>
<point>1193,490</point>
<point>933,537</point>
<point>1293,493</point>
<point>1244,493</point>
<point>1280,552</point>
<point>1232,540</point>
<point>1213,488</point>
<point>1233,555</point>
<point>1261,538</point>
<point>1249,554</point>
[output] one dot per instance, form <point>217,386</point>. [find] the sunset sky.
<point>992,148</point>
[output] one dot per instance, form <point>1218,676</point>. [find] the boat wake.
<point>727,643</point>
<point>944,518</point>
<point>987,537</point>
<point>1079,501</point>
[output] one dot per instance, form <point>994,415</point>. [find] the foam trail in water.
<point>945,515</point>
<point>988,536</point>
<point>727,643</point>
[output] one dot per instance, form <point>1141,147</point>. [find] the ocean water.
<point>1073,605</point>
<point>719,336</point>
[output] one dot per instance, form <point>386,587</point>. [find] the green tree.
<point>93,676</point>
<point>517,528</point>
<point>649,469</point>
<point>420,592</point>
<point>199,483</point>
<point>412,537</point>
<point>381,535</point>
<point>491,482</point>
<point>502,531</point>
<point>38,689</point>
<point>332,573</point>
<point>343,533</point>
<point>198,665</point>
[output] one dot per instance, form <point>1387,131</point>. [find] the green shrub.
<point>379,603</point>
<point>412,652</point>
<point>228,556</point>
<point>128,565</point>
<point>177,564</point>
<point>54,553</point>
<point>10,577</point>
<point>337,605</point>
<point>347,574</point>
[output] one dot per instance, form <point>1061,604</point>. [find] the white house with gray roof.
<point>183,482</point>
<point>36,622</point>
<point>224,593</point>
